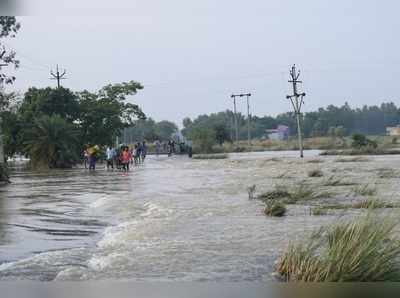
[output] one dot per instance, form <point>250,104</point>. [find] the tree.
<point>165,129</point>
<point>8,28</point>
<point>221,133</point>
<point>105,113</point>
<point>203,139</point>
<point>49,101</point>
<point>52,142</point>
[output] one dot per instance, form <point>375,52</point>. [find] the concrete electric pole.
<point>57,76</point>
<point>297,100</point>
<point>248,114</point>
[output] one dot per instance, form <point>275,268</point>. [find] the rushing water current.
<point>168,219</point>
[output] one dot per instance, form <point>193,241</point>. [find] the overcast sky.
<point>191,55</point>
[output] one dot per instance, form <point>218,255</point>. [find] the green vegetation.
<point>150,130</point>
<point>365,190</point>
<point>275,208</point>
<point>299,193</point>
<point>4,174</point>
<point>52,125</point>
<point>9,28</point>
<point>52,142</point>
<point>315,173</point>
<point>366,249</point>
<point>319,211</point>
<point>315,161</point>
<point>210,156</point>
<point>337,181</point>
<point>361,141</point>
<point>333,121</point>
<point>353,159</point>
<point>387,173</point>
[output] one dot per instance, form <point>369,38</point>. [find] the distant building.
<point>393,131</point>
<point>281,133</point>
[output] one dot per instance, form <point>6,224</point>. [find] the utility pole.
<point>248,118</point>
<point>235,117</point>
<point>248,113</point>
<point>57,76</point>
<point>297,100</point>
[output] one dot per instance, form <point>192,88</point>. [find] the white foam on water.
<point>119,242</point>
<point>100,202</point>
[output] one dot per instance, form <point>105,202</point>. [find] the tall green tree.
<point>8,29</point>
<point>104,114</point>
<point>49,101</point>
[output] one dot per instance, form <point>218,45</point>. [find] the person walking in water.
<point>139,152</point>
<point>158,147</point>
<point>110,157</point>
<point>144,151</point>
<point>126,158</point>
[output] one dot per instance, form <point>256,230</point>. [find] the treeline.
<point>149,130</point>
<point>370,120</point>
<point>52,125</point>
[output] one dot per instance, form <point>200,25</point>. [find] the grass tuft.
<point>315,161</point>
<point>318,211</point>
<point>366,249</point>
<point>365,190</point>
<point>315,173</point>
<point>335,181</point>
<point>352,159</point>
<point>210,156</point>
<point>275,208</point>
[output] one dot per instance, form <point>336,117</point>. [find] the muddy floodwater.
<point>171,218</point>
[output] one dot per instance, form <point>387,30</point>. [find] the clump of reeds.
<point>318,211</point>
<point>352,159</point>
<point>280,192</point>
<point>210,156</point>
<point>386,173</point>
<point>275,208</point>
<point>315,173</point>
<point>315,161</point>
<point>365,190</point>
<point>366,249</point>
<point>372,203</point>
<point>299,193</point>
<point>336,181</point>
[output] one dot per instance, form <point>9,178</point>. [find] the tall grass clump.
<point>315,173</point>
<point>365,190</point>
<point>365,249</point>
<point>336,181</point>
<point>210,156</point>
<point>275,208</point>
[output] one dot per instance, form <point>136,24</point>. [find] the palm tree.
<point>52,142</point>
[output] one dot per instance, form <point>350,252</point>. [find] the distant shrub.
<point>359,141</point>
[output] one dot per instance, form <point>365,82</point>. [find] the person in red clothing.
<point>126,157</point>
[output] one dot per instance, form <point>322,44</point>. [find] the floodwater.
<point>169,219</point>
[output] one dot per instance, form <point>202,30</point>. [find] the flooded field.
<point>174,218</point>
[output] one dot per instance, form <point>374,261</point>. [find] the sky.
<point>192,55</point>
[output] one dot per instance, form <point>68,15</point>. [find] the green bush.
<point>275,208</point>
<point>366,249</point>
<point>52,143</point>
<point>4,175</point>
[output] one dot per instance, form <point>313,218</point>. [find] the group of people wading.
<point>121,157</point>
